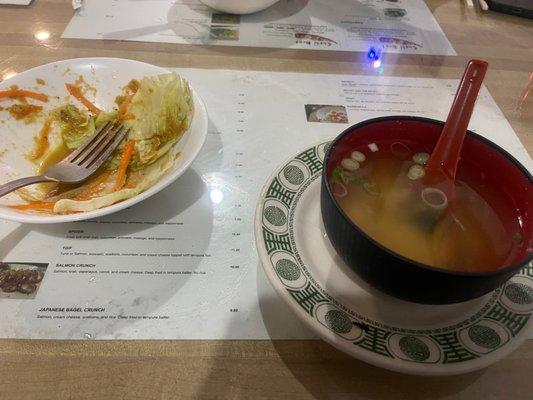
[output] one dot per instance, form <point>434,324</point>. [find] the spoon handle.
<point>445,156</point>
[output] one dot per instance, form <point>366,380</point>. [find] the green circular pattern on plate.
<point>287,269</point>
<point>484,336</point>
<point>414,348</point>
<point>446,344</point>
<point>293,174</point>
<point>275,216</point>
<point>519,293</point>
<point>338,321</point>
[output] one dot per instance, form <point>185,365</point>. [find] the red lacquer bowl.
<point>483,164</point>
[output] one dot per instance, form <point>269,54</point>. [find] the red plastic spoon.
<point>442,165</point>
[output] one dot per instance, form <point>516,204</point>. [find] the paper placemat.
<point>182,264</point>
<point>402,26</point>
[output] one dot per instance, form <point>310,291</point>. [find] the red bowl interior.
<point>483,165</point>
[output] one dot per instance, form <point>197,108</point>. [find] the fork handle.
<point>18,183</point>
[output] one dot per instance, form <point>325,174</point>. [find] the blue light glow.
<point>372,55</point>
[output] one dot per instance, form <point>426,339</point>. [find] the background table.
<point>261,369</point>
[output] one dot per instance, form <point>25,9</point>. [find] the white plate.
<point>108,76</point>
<point>419,339</point>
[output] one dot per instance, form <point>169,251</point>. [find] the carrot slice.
<point>76,92</point>
<point>125,159</point>
<point>42,141</point>
<point>34,205</point>
<point>21,93</point>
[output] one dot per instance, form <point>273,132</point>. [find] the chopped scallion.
<point>358,156</point>
<point>421,158</point>
<point>416,172</point>
<point>349,164</point>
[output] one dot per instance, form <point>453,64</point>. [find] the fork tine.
<point>101,146</point>
<point>98,160</point>
<point>96,148</point>
<point>97,134</point>
<point>80,159</point>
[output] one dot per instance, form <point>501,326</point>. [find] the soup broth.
<point>383,193</point>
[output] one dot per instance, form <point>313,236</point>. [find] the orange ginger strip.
<point>42,141</point>
<point>21,93</point>
<point>34,205</point>
<point>125,159</point>
<point>76,92</point>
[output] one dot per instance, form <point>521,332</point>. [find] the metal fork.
<point>81,163</point>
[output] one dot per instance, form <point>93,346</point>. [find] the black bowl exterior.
<point>393,275</point>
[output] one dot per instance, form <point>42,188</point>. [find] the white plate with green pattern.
<point>369,325</point>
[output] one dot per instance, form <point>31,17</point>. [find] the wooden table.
<point>261,369</point>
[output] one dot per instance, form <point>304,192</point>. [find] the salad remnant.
<point>15,93</point>
<point>75,125</point>
<point>41,141</point>
<point>124,162</point>
<point>23,111</point>
<point>34,205</point>
<point>78,95</point>
<point>123,109</point>
<point>157,110</point>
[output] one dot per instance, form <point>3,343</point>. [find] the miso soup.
<point>381,189</point>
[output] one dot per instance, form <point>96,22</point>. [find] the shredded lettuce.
<point>76,126</point>
<point>104,117</point>
<point>152,174</point>
<point>162,108</point>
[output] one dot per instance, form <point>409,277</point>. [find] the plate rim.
<point>394,364</point>
<point>161,184</point>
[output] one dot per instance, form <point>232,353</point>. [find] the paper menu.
<point>403,26</point>
<point>182,264</point>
